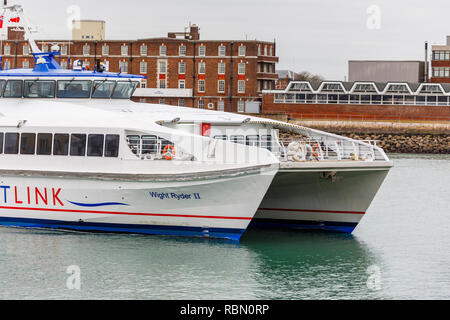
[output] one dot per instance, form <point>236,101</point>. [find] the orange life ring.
<point>315,150</point>
<point>169,155</point>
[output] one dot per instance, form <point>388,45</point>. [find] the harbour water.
<point>401,250</point>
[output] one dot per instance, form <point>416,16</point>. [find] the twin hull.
<point>218,207</point>
<point>334,200</point>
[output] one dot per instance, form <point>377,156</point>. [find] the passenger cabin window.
<point>39,89</point>
<point>61,145</point>
<point>266,142</point>
<point>27,143</point>
<point>124,90</point>
<point>2,86</point>
<point>44,144</point>
<point>74,89</point>
<point>13,89</point>
<point>237,139</point>
<point>78,145</point>
<point>95,145</point>
<point>112,145</point>
<point>103,89</point>
<point>224,138</point>
<point>252,141</point>
<point>12,143</point>
<point>2,135</point>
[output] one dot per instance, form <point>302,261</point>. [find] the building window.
<point>105,50</point>
<point>144,50</point>
<point>26,64</point>
<point>162,83</point>
<point>242,50</point>
<point>44,48</point>
<point>64,64</point>
<point>7,50</point>
<point>265,50</point>
<point>26,50</point>
<point>201,67</point>
<point>143,84</point>
<point>202,51</point>
<point>241,106</point>
<point>143,67</point>
<point>124,50</point>
<point>241,86</point>
<point>222,51</point>
<point>181,67</point>
<point>86,50</point>
<point>182,51</point>
<point>181,102</point>
<point>221,105</point>
<point>441,55</point>
<point>64,50</point>
<point>259,50</point>
<point>181,84</point>
<point>201,104</point>
<point>221,86</point>
<point>7,65</point>
<point>162,67</point>
<point>270,51</point>
<point>123,66</point>
<point>201,85</point>
<point>221,68</point>
<point>241,68</point>
<point>163,50</point>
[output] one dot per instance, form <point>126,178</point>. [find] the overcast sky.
<point>318,36</point>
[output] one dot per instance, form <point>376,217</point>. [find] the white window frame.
<point>201,67</point>
<point>26,50</point>
<point>25,64</point>
<point>162,83</point>
<point>143,67</point>
<point>181,67</point>
<point>181,102</point>
<point>7,50</point>
<point>163,50</point>
<point>222,51</point>
<point>241,86</point>
<point>221,86</point>
<point>241,68</point>
<point>124,50</point>
<point>123,66</point>
<point>242,51</point>
<point>64,50</point>
<point>182,51</point>
<point>201,85</point>
<point>181,84</point>
<point>144,50</point>
<point>201,104</point>
<point>86,50</point>
<point>221,105</point>
<point>105,50</point>
<point>202,51</point>
<point>221,68</point>
<point>241,106</point>
<point>162,66</point>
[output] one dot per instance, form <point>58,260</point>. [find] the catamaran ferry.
<point>69,163</point>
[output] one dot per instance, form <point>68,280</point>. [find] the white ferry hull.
<point>216,208</point>
<point>302,199</point>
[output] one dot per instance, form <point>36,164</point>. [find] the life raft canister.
<point>169,152</point>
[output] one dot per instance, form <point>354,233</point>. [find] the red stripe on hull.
<point>128,213</point>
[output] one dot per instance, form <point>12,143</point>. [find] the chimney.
<point>15,35</point>
<point>195,32</point>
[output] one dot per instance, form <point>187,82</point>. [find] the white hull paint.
<point>194,208</point>
<point>314,199</point>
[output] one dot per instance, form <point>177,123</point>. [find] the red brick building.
<point>215,74</point>
<point>440,63</point>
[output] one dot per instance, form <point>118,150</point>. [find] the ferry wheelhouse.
<point>67,162</point>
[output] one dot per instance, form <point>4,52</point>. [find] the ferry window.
<point>61,145</point>
<point>44,144</point>
<point>149,144</point>
<point>1,142</point>
<point>78,145</point>
<point>252,141</point>
<point>112,145</point>
<point>237,139</point>
<point>124,90</point>
<point>12,143</point>
<point>266,142</point>
<point>103,89</point>
<point>13,89</point>
<point>224,138</point>
<point>134,142</point>
<point>39,89</point>
<point>95,145</point>
<point>27,143</point>
<point>2,86</point>
<point>74,89</point>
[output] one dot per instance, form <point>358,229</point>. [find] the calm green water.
<point>401,250</point>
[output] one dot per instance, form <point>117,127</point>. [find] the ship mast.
<point>16,11</point>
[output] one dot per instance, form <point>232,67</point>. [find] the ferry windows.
<point>1,141</point>
<point>44,144</point>
<point>61,145</point>
<point>112,145</point>
<point>12,143</point>
<point>78,145</point>
<point>237,139</point>
<point>222,137</point>
<point>266,142</point>
<point>95,145</point>
<point>13,89</point>
<point>27,143</point>
<point>124,90</point>
<point>39,89</point>
<point>103,89</point>
<point>252,141</point>
<point>2,86</point>
<point>74,89</point>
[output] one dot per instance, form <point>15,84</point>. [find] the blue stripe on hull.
<point>345,227</point>
<point>222,233</point>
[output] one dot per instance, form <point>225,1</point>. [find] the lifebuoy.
<point>315,150</point>
<point>168,155</point>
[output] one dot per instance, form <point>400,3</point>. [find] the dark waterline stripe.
<point>311,211</point>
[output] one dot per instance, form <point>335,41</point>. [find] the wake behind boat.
<point>68,165</point>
